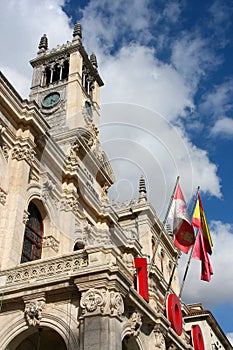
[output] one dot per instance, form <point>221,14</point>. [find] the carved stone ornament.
<point>128,260</point>
<point>2,197</point>
<point>71,203</point>
<point>104,193</point>
<point>135,322</point>
<point>5,150</point>
<point>33,312</point>
<point>116,304</point>
<point>25,216</point>
<point>159,340</point>
<point>93,300</point>
<point>2,129</point>
<point>50,241</point>
<point>23,153</point>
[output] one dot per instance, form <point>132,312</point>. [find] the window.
<point>162,255</point>
<point>56,72</point>
<point>65,70</point>
<point>32,244</point>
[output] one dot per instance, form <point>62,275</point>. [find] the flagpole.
<point>164,221</point>
<point>190,255</point>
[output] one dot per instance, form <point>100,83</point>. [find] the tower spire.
<point>93,60</point>
<point>142,190</point>
<point>43,44</point>
<point>77,32</point>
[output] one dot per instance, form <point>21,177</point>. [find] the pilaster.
<point>18,176</point>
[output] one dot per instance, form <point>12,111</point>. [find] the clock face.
<point>51,99</point>
<point>88,109</point>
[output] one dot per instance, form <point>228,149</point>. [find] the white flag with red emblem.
<point>183,232</point>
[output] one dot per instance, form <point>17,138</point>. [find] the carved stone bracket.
<point>2,197</point>
<point>33,311</point>
<point>50,241</point>
<point>135,323</point>
<point>70,203</point>
<point>128,260</point>
<point>93,300</point>
<point>159,340</point>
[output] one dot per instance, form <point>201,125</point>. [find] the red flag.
<point>200,253</point>
<point>182,229</point>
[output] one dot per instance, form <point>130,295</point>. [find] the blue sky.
<point>166,104</point>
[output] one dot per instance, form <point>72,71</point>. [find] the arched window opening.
<point>47,75</point>
<point>42,338</point>
<point>65,70</point>
<point>32,244</point>
<point>56,72</point>
<point>78,246</point>
<point>130,343</point>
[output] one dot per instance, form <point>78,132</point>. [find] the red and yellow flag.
<point>199,221</point>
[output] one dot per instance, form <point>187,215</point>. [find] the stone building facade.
<point>68,277</point>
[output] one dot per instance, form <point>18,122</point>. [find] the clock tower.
<point>65,85</point>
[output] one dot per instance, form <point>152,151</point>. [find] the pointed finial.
<point>93,60</point>
<point>77,32</point>
<point>43,45</point>
<point>142,190</point>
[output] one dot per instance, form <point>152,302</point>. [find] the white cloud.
<point>223,126</point>
<point>107,24</point>
<point>135,71</point>
<point>191,57</point>
<point>219,289</point>
<point>172,11</point>
<point>139,141</point>
<point>218,102</point>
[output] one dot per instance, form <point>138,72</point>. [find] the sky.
<point>166,105</point>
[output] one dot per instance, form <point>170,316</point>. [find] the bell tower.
<point>65,85</point>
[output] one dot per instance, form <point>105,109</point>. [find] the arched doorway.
<point>129,343</point>
<point>42,339</point>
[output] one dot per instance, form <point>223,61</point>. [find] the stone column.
<point>100,319</point>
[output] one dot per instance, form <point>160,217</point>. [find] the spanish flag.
<point>203,243</point>
<point>199,221</point>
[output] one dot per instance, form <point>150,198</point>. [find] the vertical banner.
<point>142,277</point>
<point>197,338</point>
<point>174,313</point>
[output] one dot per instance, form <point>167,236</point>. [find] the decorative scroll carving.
<point>47,189</point>
<point>135,322</point>
<point>92,300</point>
<point>33,312</point>
<point>159,341</point>
<point>23,153</point>
<point>50,241</point>
<point>54,267</point>
<point>116,304</point>
<point>2,197</point>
